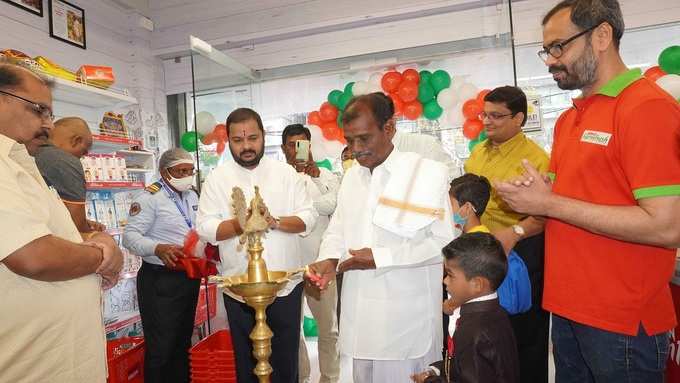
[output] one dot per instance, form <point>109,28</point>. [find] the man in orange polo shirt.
<point>613,207</point>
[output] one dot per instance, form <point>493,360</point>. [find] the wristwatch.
<point>519,230</point>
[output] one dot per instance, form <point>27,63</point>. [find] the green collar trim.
<point>614,87</point>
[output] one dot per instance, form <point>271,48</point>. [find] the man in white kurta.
<point>391,222</point>
<point>290,213</point>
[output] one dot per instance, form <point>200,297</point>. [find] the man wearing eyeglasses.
<point>498,159</point>
<point>159,220</point>
<point>613,205</point>
<point>50,281</point>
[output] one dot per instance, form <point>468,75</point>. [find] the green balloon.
<point>669,60</point>
<point>190,140</point>
<point>344,100</point>
<point>482,136</point>
<point>334,97</point>
<point>432,110</point>
<point>473,143</point>
<point>339,119</point>
<point>325,164</point>
<point>425,92</point>
<point>349,88</point>
<point>425,76</point>
<point>440,80</point>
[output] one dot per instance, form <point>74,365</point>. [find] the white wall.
<point>113,39</point>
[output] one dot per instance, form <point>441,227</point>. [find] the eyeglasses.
<point>492,116</point>
<point>557,50</point>
<point>182,173</point>
<point>42,111</point>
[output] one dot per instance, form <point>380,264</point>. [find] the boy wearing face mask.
<point>159,220</point>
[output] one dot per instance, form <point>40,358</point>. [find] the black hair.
<point>295,130</point>
<point>478,255</point>
<point>587,14</point>
<point>244,114</point>
<point>377,103</point>
<point>471,188</point>
<point>11,77</point>
<point>513,98</point>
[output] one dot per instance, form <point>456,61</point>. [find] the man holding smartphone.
<point>322,187</point>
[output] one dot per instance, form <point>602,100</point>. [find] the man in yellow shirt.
<point>499,159</point>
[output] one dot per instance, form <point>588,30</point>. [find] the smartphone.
<point>302,150</point>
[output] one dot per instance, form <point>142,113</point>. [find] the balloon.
<point>328,112</point>
<point>654,73</point>
<point>398,104</point>
<point>375,78</point>
<point>220,147</point>
<point>339,120</point>
<point>425,92</point>
<point>440,80</point>
<point>413,110</point>
<point>325,164</point>
<point>467,91</point>
<point>208,139</point>
<point>472,144</point>
<point>314,118</point>
<point>205,122</point>
<point>669,60</point>
<point>329,130</point>
<point>411,75</point>
<point>472,128</point>
<point>457,83</point>
<point>446,98</point>
<point>344,100</point>
<point>472,109</point>
<point>432,110</point>
<point>482,136</point>
<point>348,88</point>
<point>408,91</point>
<point>220,133</point>
<point>373,88</point>
<point>189,141</point>
<point>334,97</point>
<point>425,76</point>
<point>671,84</point>
<point>390,81</point>
<point>480,96</point>
<point>360,88</point>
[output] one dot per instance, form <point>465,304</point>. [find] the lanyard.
<point>173,196</point>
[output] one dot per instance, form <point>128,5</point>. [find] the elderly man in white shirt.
<point>391,222</point>
<point>322,186</point>
<point>290,214</point>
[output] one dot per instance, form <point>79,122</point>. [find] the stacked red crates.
<point>125,357</point>
<point>212,359</point>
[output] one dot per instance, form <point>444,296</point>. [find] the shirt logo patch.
<point>597,138</point>
<point>135,208</point>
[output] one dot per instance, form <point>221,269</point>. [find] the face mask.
<point>346,164</point>
<point>181,184</point>
<point>459,220</point>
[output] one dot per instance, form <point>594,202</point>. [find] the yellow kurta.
<point>49,331</point>
<point>503,163</point>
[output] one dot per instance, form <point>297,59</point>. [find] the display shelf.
<point>113,185</point>
<point>137,153</point>
<point>103,144</point>
<point>86,95</point>
<point>135,170</point>
<point>123,321</point>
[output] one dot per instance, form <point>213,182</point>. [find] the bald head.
<point>72,135</point>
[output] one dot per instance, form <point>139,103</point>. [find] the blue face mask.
<point>459,220</point>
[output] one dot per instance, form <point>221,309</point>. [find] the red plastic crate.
<point>212,359</point>
<point>202,306</point>
<point>125,357</point>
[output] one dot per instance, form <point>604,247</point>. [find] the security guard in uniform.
<point>159,220</point>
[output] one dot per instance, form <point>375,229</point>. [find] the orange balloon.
<point>221,146</point>
<point>328,129</point>
<point>472,109</point>
<point>654,73</point>
<point>220,132</point>
<point>208,139</point>
<point>411,75</point>
<point>398,105</point>
<point>408,91</point>
<point>472,129</point>
<point>413,110</point>
<point>481,95</point>
<point>328,112</point>
<point>314,118</point>
<point>390,81</point>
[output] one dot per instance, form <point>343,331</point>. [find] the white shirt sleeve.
<point>328,184</point>
<point>209,216</point>
<point>303,206</point>
<point>333,243</point>
<point>134,235</point>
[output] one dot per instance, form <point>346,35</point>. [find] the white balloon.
<point>376,78</point>
<point>323,148</point>
<point>455,116</point>
<point>373,88</point>
<point>456,83</point>
<point>205,122</point>
<point>671,84</point>
<point>360,88</point>
<point>447,98</point>
<point>467,91</point>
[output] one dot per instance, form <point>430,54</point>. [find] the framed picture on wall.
<point>33,6</point>
<point>67,23</point>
